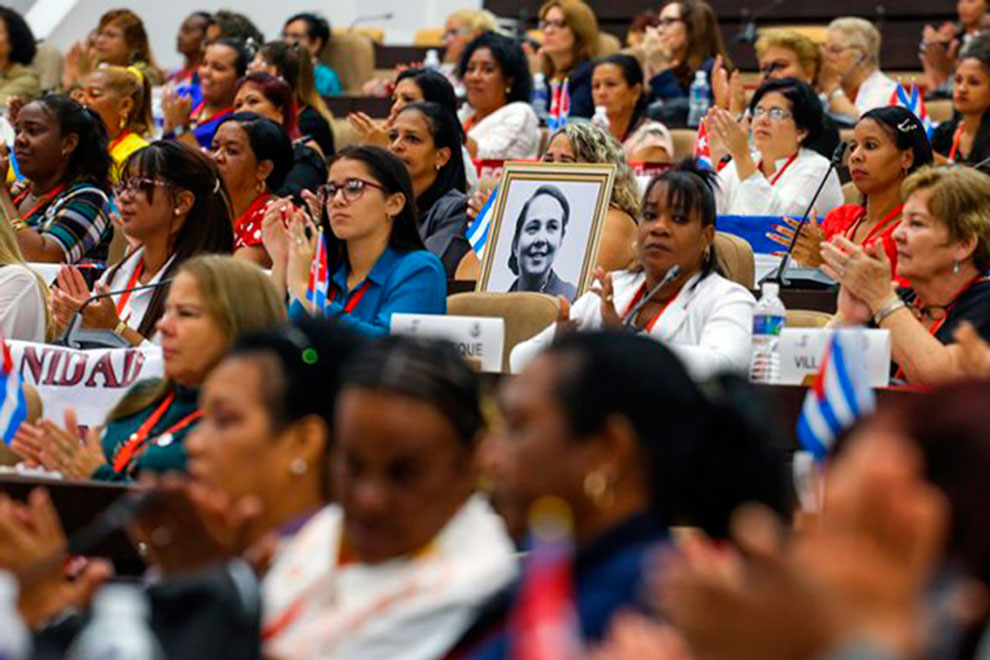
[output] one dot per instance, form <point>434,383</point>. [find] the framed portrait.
<point>545,229</point>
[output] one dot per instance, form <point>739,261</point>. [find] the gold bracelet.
<point>888,309</point>
<point>120,329</point>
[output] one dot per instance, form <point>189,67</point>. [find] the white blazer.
<point>789,195</point>
<point>512,131</point>
<point>708,325</point>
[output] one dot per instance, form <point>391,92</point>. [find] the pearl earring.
<point>298,467</point>
<point>955,267</point>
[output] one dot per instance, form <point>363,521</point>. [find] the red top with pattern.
<point>247,228</point>
<point>845,220</point>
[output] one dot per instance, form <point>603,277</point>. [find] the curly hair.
<point>595,145</point>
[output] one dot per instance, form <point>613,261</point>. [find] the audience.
<point>120,40</point>
<point>570,43</point>
<point>122,99</point>
<point>786,116</point>
<point>211,302</point>
<point>965,138</point>
<point>23,293</point>
<point>18,77</point>
<point>704,318</point>
<point>943,253</point>
<point>254,155</point>
<point>851,79</point>
<point>174,205</point>
<point>312,33</point>
<point>61,213</point>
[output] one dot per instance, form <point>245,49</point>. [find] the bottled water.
<point>15,641</point>
<point>600,119</point>
<point>698,99</point>
<point>769,319</point>
<point>119,628</point>
<point>432,60</point>
<point>539,101</point>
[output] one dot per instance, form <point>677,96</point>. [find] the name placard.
<point>480,339</point>
<point>801,351</point>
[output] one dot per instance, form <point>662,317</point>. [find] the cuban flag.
<point>319,276</point>
<point>560,105</point>
<point>477,232</point>
<point>914,101</point>
<point>701,149</point>
<point>840,395</point>
<point>13,410</point>
<point>543,624</point>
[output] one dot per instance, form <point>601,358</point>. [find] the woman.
<point>427,139</point>
<point>224,62</point>
<point>376,261</point>
<point>500,123</point>
<point>704,318</point>
<point>312,33</point>
<point>174,205</point>
<point>212,300</point>
<point>293,65</point>
<point>584,143</point>
<point>17,49</point>
<point>189,43</point>
<point>690,40</point>
<point>966,137</point>
<point>23,294</point>
<point>272,98</point>
<point>943,253</point>
<point>787,115</point>
<point>62,214</point>
<point>122,99</point>
<point>254,155</point>
<point>570,43</point>
<point>121,40</point>
<point>463,27</point>
<point>617,86</point>
<point>408,552</point>
<point>888,144</point>
<point>851,78</point>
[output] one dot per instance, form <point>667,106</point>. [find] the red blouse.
<point>247,228</point>
<point>845,220</point>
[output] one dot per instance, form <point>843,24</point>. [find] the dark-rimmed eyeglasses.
<point>352,189</point>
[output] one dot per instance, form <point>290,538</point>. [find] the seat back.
<point>376,34</point>
<point>807,318</point>
<point>525,313</point>
<point>352,56</point>
<point>48,61</point>
<point>608,44</point>
<point>939,110</point>
<point>735,259</point>
<point>685,140</point>
<point>429,37</point>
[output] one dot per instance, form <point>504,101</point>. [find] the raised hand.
<point>605,291</point>
<point>368,130</point>
<point>302,249</point>
<point>807,248</point>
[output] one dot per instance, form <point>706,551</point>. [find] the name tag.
<point>802,349</point>
<point>480,340</point>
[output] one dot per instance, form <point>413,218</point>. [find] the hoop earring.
<point>598,489</point>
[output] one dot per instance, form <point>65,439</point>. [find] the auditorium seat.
<point>525,313</point>
<point>343,133</point>
<point>352,56</point>
<point>429,37</point>
<point>735,259</point>
<point>807,318</point>
<point>684,141</point>
<point>814,32</point>
<point>376,34</point>
<point>608,44</point>
<point>939,110</point>
<point>48,61</point>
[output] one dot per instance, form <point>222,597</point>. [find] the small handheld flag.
<point>13,409</point>
<point>319,276</point>
<point>702,150</point>
<point>477,232</point>
<point>912,100</point>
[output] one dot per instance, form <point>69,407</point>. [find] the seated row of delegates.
<point>294,66</point>
<point>23,294</point>
<point>174,206</point>
<point>122,98</point>
<point>272,98</point>
<point>212,300</point>
<point>966,137</point>
<point>375,255</point>
<point>254,155</point>
<point>61,212</point>
<point>786,115</point>
<point>888,145</point>
<point>704,318</point>
<point>943,255</point>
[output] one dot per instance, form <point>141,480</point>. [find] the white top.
<point>875,92</point>
<point>788,195</point>
<point>412,608</point>
<point>22,305</point>
<point>512,131</point>
<point>137,303</point>
<point>708,325</point>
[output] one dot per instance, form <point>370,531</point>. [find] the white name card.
<point>802,349</point>
<point>479,339</point>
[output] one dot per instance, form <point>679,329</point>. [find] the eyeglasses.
<point>775,114</point>
<point>558,23</point>
<point>667,21</point>
<point>353,189</point>
<point>136,183</point>
<point>836,50</point>
<point>771,67</point>
<point>459,32</point>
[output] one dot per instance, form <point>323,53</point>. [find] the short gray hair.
<point>859,33</point>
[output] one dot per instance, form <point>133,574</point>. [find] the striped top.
<point>78,220</point>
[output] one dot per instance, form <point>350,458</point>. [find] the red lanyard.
<point>194,115</point>
<point>126,296</point>
<point>45,199</point>
<point>639,296</point>
<point>117,140</point>
<point>886,220</point>
<point>125,454</point>
<point>354,299</point>
<point>256,206</point>
<point>955,144</point>
<point>779,173</point>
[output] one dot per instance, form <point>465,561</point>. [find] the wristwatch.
<point>120,328</point>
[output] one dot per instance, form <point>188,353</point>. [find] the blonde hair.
<point>960,198</point>
<point>592,144</point>
<point>133,83</point>
<point>477,20</point>
<point>10,254</point>
<point>238,295</point>
<point>581,19</point>
<point>808,53</point>
<point>859,33</point>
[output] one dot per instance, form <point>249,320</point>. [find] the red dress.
<point>247,228</point>
<point>845,220</point>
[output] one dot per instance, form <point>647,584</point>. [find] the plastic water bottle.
<point>698,99</point>
<point>600,118</point>
<point>769,319</point>
<point>119,628</point>
<point>432,60</point>
<point>15,641</point>
<point>539,100</point>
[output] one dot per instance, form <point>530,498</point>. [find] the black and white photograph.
<point>546,227</point>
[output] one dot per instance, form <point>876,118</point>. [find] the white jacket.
<point>709,325</point>
<point>789,195</point>
<point>512,131</point>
